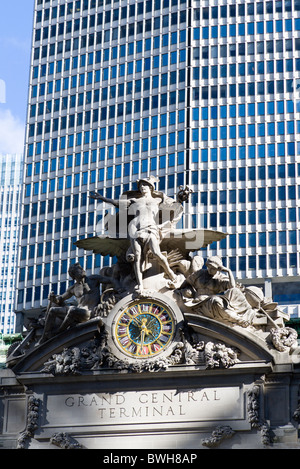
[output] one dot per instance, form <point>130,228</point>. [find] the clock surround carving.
<point>144,328</point>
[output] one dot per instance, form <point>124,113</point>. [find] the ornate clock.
<point>143,328</point>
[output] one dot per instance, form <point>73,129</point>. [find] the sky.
<point>16,21</point>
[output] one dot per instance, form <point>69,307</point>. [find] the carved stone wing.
<point>184,241</point>
<point>104,245</point>
<point>189,240</point>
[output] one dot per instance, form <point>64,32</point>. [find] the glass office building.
<point>203,93</point>
<point>11,175</point>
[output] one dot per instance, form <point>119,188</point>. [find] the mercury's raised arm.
<point>97,196</point>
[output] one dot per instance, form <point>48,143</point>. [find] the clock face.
<point>144,329</point>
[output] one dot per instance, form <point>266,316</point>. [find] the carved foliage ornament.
<point>253,408</point>
<point>33,406</point>
<point>65,441</point>
<point>218,435</point>
<point>283,338</point>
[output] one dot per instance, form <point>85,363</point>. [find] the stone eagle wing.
<point>104,245</point>
<point>187,241</point>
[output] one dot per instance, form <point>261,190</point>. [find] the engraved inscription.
<point>147,406</point>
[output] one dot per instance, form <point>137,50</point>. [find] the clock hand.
<point>142,339</point>
<point>149,333</point>
<point>151,323</point>
<point>136,322</point>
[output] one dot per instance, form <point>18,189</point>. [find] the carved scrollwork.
<point>218,435</point>
<point>296,414</point>
<point>283,338</point>
<point>254,417</point>
<point>253,406</point>
<point>65,441</point>
<point>220,356</point>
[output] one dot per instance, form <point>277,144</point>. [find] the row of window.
<point>79,159</point>
<point>213,51</point>
<point>213,154</point>
<point>205,198</point>
<point>50,227</point>
<point>164,79</point>
<point>48,248</point>
<point>242,152</point>
<point>112,112</point>
<point>232,111</point>
<point>204,113</point>
<point>7,308</point>
<point>234,90</point>
<point>80,24</point>
<point>127,148</point>
<point>243,131</point>
<point>243,29</point>
<point>91,177</point>
<point>243,69</point>
<point>108,132</point>
<point>111,14</point>
<point>112,92</point>
<point>112,53</point>
<point>259,88</point>
<point>206,32</point>
<point>243,49</point>
<point>75,81</point>
<point>59,29</point>
<point>249,173</point>
<point>257,217</point>
<point>231,10</point>
<point>177,138</point>
<point>123,32</point>
<point>241,9</point>
<point>262,262</point>
<point>198,134</point>
<point>243,196</point>
<point>213,220</point>
<point>205,176</point>
<point>70,6</point>
<point>263,239</point>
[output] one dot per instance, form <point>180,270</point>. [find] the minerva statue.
<point>61,314</point>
